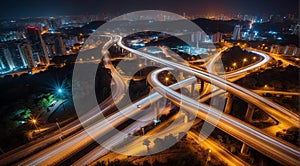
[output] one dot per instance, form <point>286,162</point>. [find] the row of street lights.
<point>234,64</point>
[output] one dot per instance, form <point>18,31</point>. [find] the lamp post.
<point>234,65</point>
<point>166,80</point>
<point>208,157</point>
<point>34,121</point>
<point>140,65</point>
<point>59,90</point>
<point>244,61</point>
<point>60,93</point>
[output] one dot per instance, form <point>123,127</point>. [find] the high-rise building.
<point>296,29</point>
<point>25,51</point>
<point>217,37</point>
<point>237,33</point>
<point>55,44</point>
<point>7,63</point>
<point>17,57</point>
<point>38,46</point>
<point>22,55</point>
<point>199,37</point>
<point>52,24</point>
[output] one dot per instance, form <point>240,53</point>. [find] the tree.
<point>159,144</point>
<point>147,143</point>
<point>181,135</point>
<point>170,139</point>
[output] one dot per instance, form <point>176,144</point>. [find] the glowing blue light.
<point>272,32</point>
<point>139,44</point>
<point>59,90</point>
<point>156,121</point>
<point>279,38</point>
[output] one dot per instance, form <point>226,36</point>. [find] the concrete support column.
<point>138,59</point>
<point>228,105</point>
<point>186,118</point>
<point>156,110</point>
<point>192,89</point>
<point>152,63</point>
<point>202,86</point>
<point>201,82</point>
<point>248,118</point>
<point>181,77</point>
<point>249,113</point>
<point>245,149</point>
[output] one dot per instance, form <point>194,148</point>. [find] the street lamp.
<point>140,65</point>
<point>166,80</point>
<point>34,121</point>
<point>234,65</point>
<point>208,157</point>
<point>59,90</point>
<point>60,93</point>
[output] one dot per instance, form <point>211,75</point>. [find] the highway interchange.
<point>98,129</point>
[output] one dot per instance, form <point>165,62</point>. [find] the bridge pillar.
<point>248,118</point>
<point>245,149</point>
<point>192,89</point>
<point>201,82</point>
<point>228,105</point>
<point>181,77</point>
<point>186,118</point>
<point>130,55</point>
<point>249,113</point>
<point>152,63</point>
<point>156,110</point>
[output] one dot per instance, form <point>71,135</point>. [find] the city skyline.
<point>114,8</point>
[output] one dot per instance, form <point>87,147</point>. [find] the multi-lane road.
<point>86,119</point>
<point>104,132</point>
<point>258,139</point>
<point>275,148</point>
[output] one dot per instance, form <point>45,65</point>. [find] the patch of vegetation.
<point>277,78</point>
<point>236,57</point>
<point>290,135</point>
<point>180,154</point>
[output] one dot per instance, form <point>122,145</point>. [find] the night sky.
<point>25,8</point>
